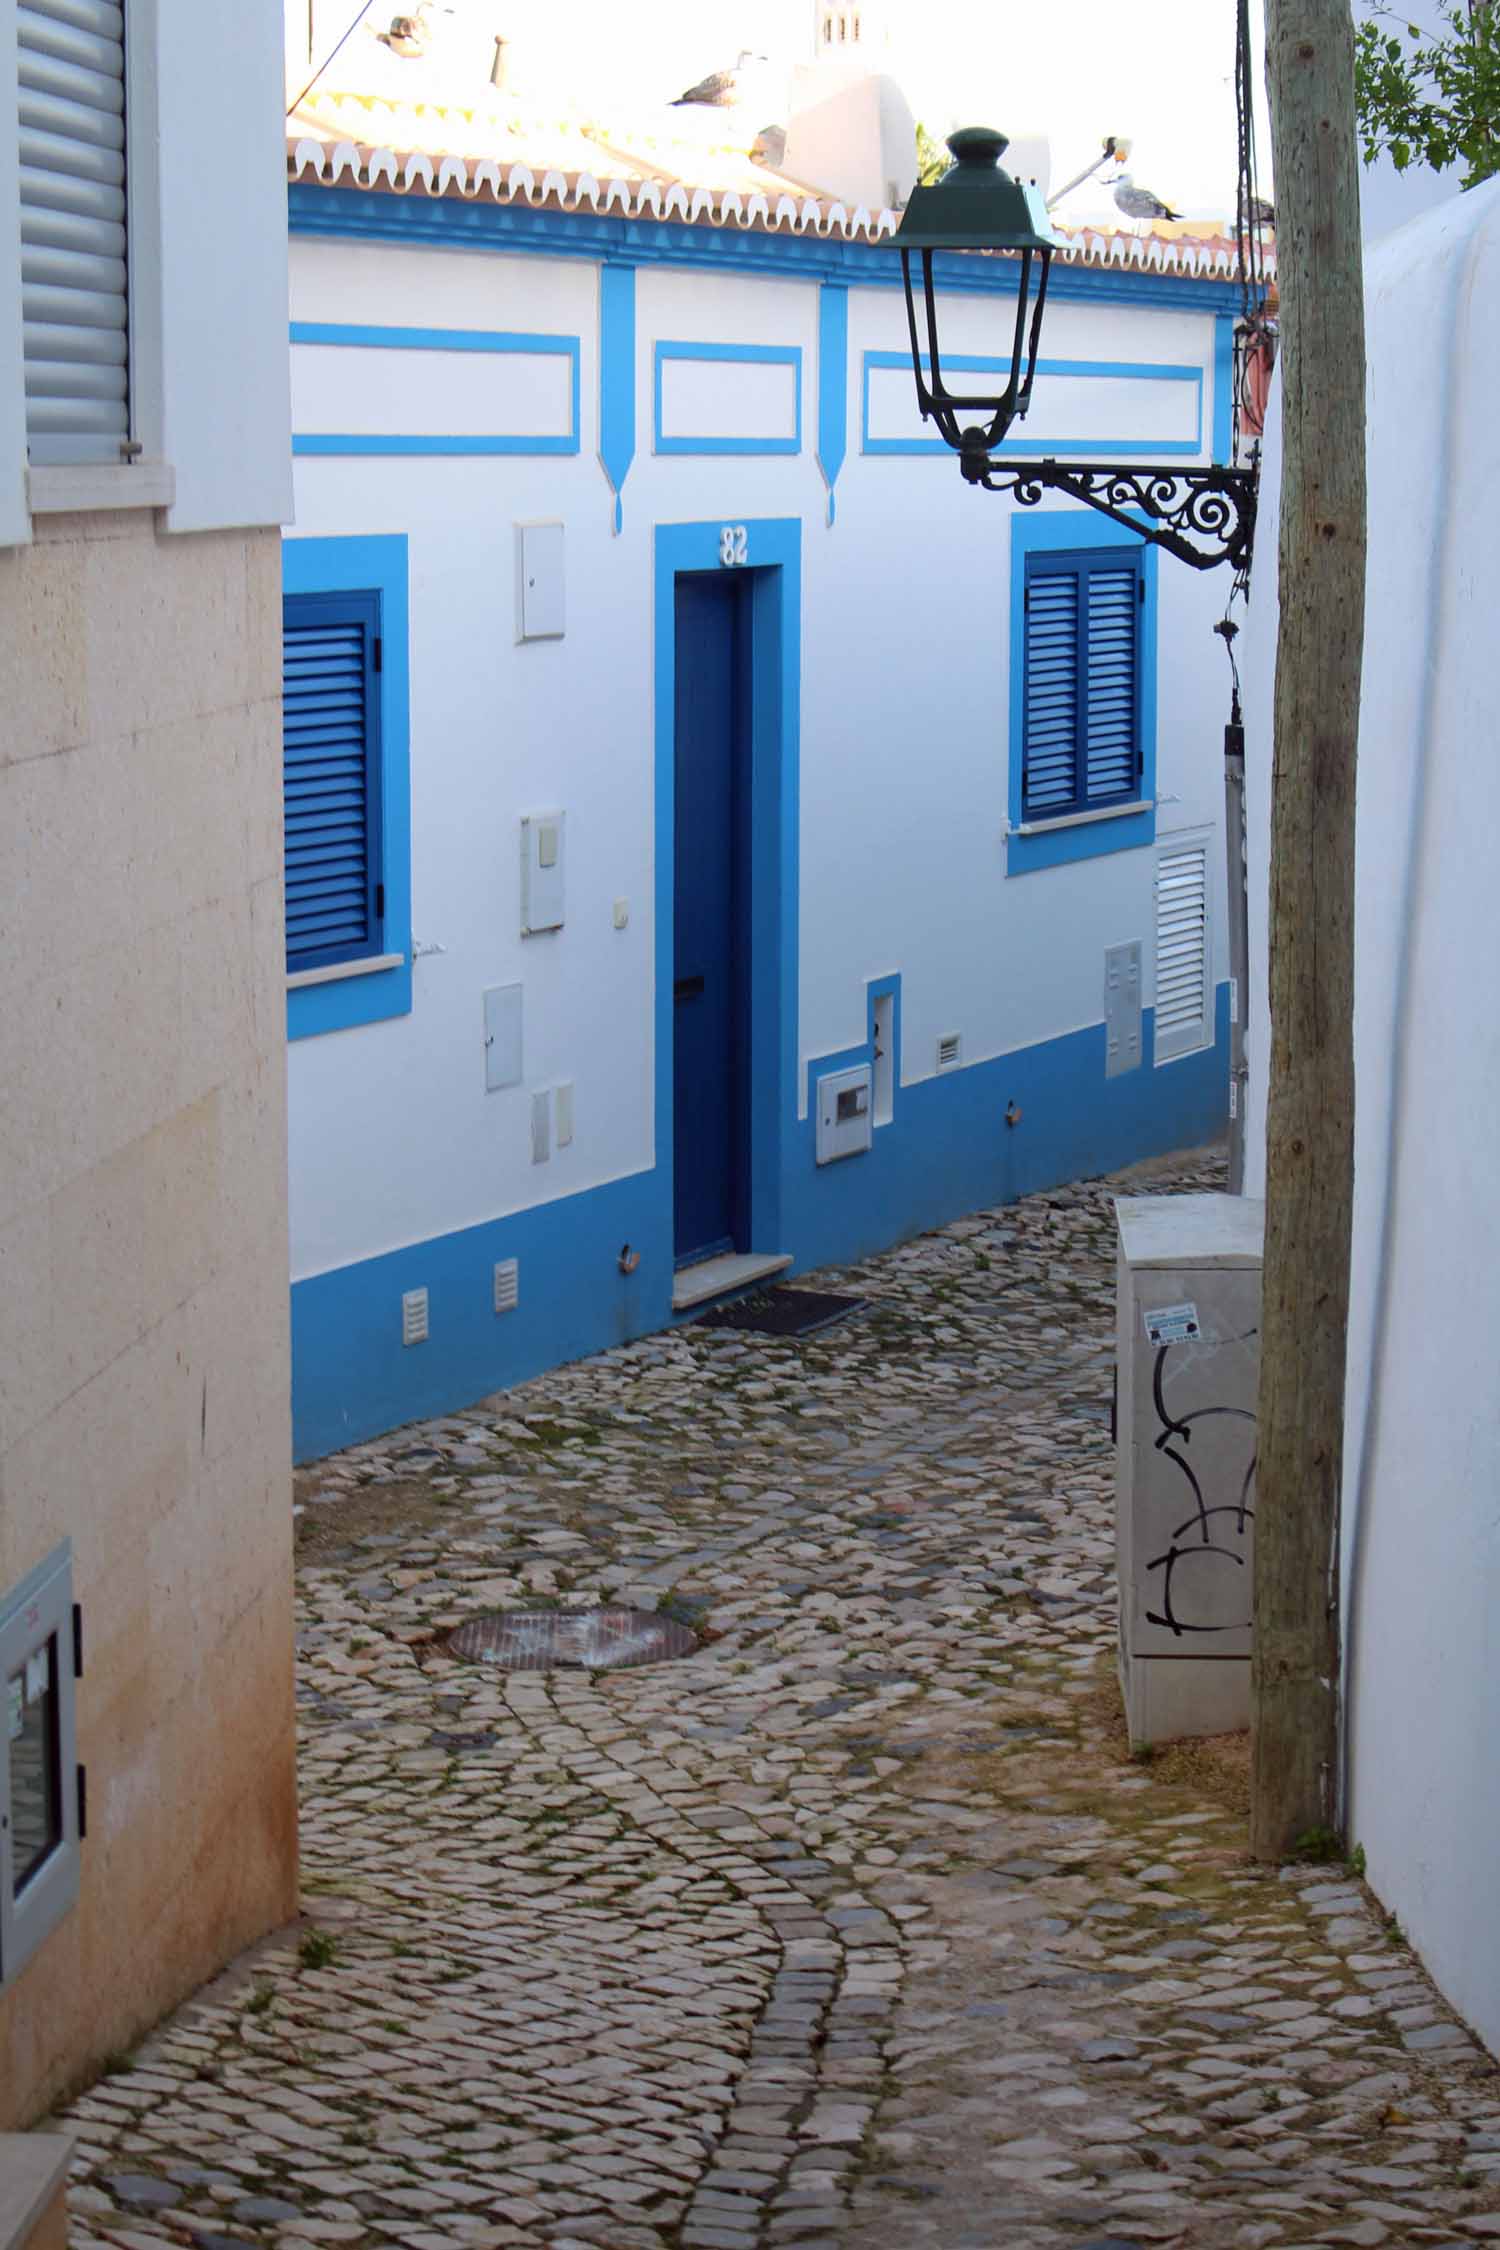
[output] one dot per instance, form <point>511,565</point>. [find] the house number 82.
<point>734,545</point>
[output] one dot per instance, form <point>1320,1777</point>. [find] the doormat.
<point>783,1312</point>
<point>596,1640</point>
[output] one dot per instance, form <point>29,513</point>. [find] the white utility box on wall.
<point>845,1113</point>
<point>542,839</point>
<point>1188,1367</point>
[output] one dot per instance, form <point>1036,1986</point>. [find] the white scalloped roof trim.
<point>366,164</point>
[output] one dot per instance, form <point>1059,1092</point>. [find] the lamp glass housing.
<point>975,206</point>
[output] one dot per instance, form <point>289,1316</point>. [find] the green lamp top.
<point>976,205</point>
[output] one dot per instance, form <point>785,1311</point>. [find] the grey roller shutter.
<point>74,307</point>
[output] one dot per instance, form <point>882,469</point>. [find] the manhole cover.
<point>596,1640</point>
<point>784,1312</point>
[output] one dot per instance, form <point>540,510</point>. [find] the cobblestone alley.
<point>858,1925</point>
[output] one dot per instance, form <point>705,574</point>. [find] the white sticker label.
<point>1234,1097</point>
<point>1234,999</point>
<point>16,1707</point>
<point>1173,1324</point>
<point>38,1675</point>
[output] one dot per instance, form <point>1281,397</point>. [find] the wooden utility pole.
<point>1310,1110</point>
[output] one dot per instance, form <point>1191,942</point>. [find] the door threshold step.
<point>33,2187</point>
<point>717,1277</point>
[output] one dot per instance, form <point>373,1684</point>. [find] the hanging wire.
<point>328,58</point>
<point>1255,332</point>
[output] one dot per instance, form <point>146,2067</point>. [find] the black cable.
<point>328,58</point>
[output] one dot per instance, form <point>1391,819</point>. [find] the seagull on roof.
<point>408,34</point>
<point>722,88</point>
<point>1140,203</point>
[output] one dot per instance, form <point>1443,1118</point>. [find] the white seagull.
<point>721,89</point>
<point>1140,203</point>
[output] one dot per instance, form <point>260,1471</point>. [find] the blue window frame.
<point>346,781</point>
<point>330,777</point>
<point>1083,635</point>
<point>1081,729</point>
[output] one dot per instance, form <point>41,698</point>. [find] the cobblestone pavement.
<point>857,1926</point>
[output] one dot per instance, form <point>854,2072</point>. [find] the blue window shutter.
<point>331,777</point>
<point>1082,743</point>
<point>1052,692</point>
<point>1112,733</point>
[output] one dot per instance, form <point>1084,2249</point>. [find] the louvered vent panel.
<point>1183,1016</point>
<point>1051,723</point>
<point>325,723</point>
<point>1114,608</point>
<point>74,307</point>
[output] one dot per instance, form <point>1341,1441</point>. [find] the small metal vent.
<point>414,1316</point>
<point>507,1285</point>
<point>950,1050</point>
<point>590,1640</point>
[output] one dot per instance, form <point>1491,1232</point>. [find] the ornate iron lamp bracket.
<point>1202,516</point>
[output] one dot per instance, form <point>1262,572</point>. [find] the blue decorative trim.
<point>774,558</point>
<point>1025,446</point>
<point>451,222</point>
<point>755,355</point>
<point>947,1154</point>
<point>617,379</point>
<point>379,565</point>
<point>1056,530</point>
<point>358,337</point>
<point>950,1151</point>
<point>833,383</point>
<point>1224,328</point>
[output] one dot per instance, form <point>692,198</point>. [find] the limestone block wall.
<point>143,1259</point>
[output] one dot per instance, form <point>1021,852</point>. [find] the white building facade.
<point>714,761</point>
<point>1421,1526</point>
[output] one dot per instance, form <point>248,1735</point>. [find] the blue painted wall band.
<point>617,379</point>
<point>1224,328</point>
<point>372,215</point>
<point>355,336</point>
<point>949,1152</point>
<point>833,383</point>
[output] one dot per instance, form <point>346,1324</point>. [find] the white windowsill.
<point>79,486</point>
<point>334,972</point>
<point>1078,819</point>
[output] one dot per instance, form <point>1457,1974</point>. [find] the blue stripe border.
<point>750,355</point>
<point>1026,446</point>
<point>355,336</point>
<point>450,222</point>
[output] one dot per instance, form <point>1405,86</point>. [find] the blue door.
<point>710,963</point>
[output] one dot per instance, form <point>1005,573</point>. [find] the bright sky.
<point>1159,72</point>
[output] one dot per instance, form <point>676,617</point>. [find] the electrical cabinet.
<point>1185,1436</point>
<point>845,1113</point>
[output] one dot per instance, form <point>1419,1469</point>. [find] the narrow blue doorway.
<point>710,991</point>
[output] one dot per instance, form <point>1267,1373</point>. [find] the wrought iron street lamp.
<point>1203,516</point>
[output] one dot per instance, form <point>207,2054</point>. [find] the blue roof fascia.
<point>449,222</point>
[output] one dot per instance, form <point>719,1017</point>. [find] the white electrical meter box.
<point>539,581</point>
<point>541,873</point>
<point>845,1113</point>
<point>1185,1439</point>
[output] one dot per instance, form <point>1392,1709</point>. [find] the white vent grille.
<point>950,1050</point>
<point>414,1317</point>
<point>507,1285</point>
<point>1184,1016</point>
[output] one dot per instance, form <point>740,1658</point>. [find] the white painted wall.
<point>1422,1437</point>
<point>903,746</point>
